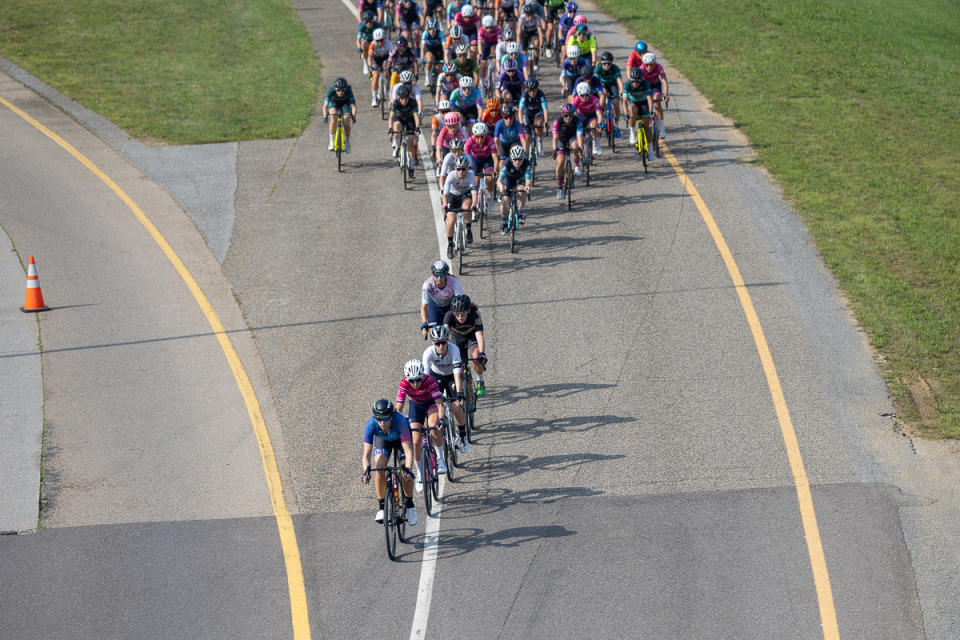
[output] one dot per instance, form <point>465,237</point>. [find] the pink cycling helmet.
<point>580,19</point>
<point>451,118</point>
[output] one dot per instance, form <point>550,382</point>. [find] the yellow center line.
<point>818,563</point>
<point>288,538</point>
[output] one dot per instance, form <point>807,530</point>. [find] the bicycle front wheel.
<point>390,523</point>
<point>513,226</point>
<point>426,475</point>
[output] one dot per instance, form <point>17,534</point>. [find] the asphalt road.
<point>629,477</point>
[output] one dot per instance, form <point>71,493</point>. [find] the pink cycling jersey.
<point>469,24</point>
<point>586,106</point>
<point>428,393</point>
<point>654,75</point>
<point>445,136</point>
<point>490,36</point>
<point>479,149</point>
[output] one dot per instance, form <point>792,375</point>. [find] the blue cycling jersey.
<point>399,430</point>
<point>507,135</point>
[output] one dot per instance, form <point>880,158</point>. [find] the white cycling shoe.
<point>379,517</point>
<point>418,485</point>
<point>412,518</point>
<point>441,466</point>
<point>463,444</point>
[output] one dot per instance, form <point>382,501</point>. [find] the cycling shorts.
<point>404,25</point>
<point>553,12</point>
<point>526,37</point>
<point>456,202</point>
<point>613,90</point>
<point>378,62</point>
<point>406,124</point>
<point>485,48</point>
<point>418,411</point>
<point>642,106</point>
<point>479,164</point>
<point>464,343</point>
<point>467,113</point>
<point>436,50</point>
<point>435,313</point>
<point>446,384</point>
<point>563,144</point>
<point>511,183</point>
<point>656,89</point>
<point>530,115</point>
<point>387,448</point>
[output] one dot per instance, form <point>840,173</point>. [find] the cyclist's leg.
<point>467,209</point>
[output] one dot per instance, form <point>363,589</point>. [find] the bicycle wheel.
<point>448,458</point>
<point>568,186</point>
<point>426,475</point>
<point>587,160</point>
<point>390,521</point>
<point>451,438</point>
<point>403,161</point>
<point>513,221</point>
<point>434,477</point>
<point>461,245</point>
<point>338,143</point>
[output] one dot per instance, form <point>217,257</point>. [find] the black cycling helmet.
<point>403,91</point>
<point>529,9</point>
<point>533,83</point>
<point>606,56</point>
<point>459,304</point>
<point>508,110</point>
<point>340,83</point>
<point>587,71</point>
<point>440,268</point>
<point>636,73</point>
<point>382,408</point>
<point>368,16</point>
<point>462,162</point>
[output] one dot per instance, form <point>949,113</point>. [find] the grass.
<point>172,71</point>
<point>854,107</point>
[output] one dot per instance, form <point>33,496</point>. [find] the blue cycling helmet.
<point>572,7</point>
<point>641,46</point>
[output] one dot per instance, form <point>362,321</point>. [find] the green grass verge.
<point>172,71</point>
<point>854,107</point>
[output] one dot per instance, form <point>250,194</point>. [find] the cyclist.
<point>566,22</point>
<point>379,52</point>
<point>433,9</point>
<point>586,41</point>
<point>509,133</point>
<point>409,20</point>
<point>442,361</point>
<point>340,99</point>
<point>431,45</point>
<point>507,13</point>
<point>511,80</point>
<point>657,77</point>
<point>459,190</point>
<point>533,108</point>
<point>365,31</point>
<point>467,66</point>
<point>589,112</point>
<point>386,432</point>
<point>406,80</point>
<point>554,10</point>
<point>436,123</point>
<point>466,331</point>
<point>405,118</point>
<point>512,52</point>
<point>489,36</point>
<point>447,82</point>
<point>491,115</point>
<point>469,20</point>
<point>483,150</point>
<point>637,103</point>
<point>571,69</point>
<point>565,140</point>
<point>612,81</point>
<point>636,56</point>
<point>435,295</point>
<point>515,175</point>
<point>426,405</point>
<point>530,29</point>
<point>466,101</point>
<point>592,81</point>
<point>401,59</point>
<point>454,40</point>
<point>370,5</point>
<point>450,161</point>
<point>451,130</point>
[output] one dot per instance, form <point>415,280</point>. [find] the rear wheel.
<point>426,474</point>
<point>434,487</point>
<point>448,457</point>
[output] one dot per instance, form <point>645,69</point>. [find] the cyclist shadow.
<point>459,542</point>
<point>516,263</point>
<point>504,395</point>
<point>510,466</point>
<point>524,429</point>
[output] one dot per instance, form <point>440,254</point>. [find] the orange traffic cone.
<point>33,301</point>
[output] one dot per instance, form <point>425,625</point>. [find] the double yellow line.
<point>808,517</point>
<point>288,538</point>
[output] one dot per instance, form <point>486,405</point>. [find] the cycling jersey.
<point>587,44</point>
<point>572,31</point>
<point>445,365</point>
<point>415,93</point>
<point>565,131</point>
<point>338,101</point>
<point>478,150</point>
<point>368,5</point>
<point>449,161</point>
<point>607,77</point>
<point>596,86</point>
<point>533,104</point>
<point>586,107</point>
<point>454,8</point>
<point>428,393</point>
<point>530,24</point>
<point>490,117</point>
<point>456,186</point>
<point>399,429</point>
<point>469,25</point>
<point>462,333</point>
<point>432,42</point>
<point>538,9</point>
<point>467,67</point>
<point>453,43</point>
<point>380,53</point>
<point>508,136</point>
<point>460,100</point>
<point>512,84</point>
<point>445,135</point>
<point>448,86</point>
<point>511,175</point>
<point>522,62</point>
<point>489,36</point>
<point>402,60</point>
<point>566,21</point>
<point>572,69</point>
<point>408,15</point>
<point>654,75</point>
<point>365,33</point>
<point>637,92</point>
<point>430,292</point>
<point>405,112</point>
<point>635,59</point>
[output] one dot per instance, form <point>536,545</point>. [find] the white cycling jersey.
<point>415,92</point>
<point>457,186</point>
<point>434,364</point>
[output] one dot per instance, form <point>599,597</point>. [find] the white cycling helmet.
<point>439,333</point>
<point>462,49</point>
<point>480,129</point>
<point>513,47</point>
<point>466,82</point>
<point>583,89</point>
<point>517,153</point>
<point>649,58</point>
<point>467,11</point>
<point>406,77</point>
<point>379,34</point>
<point>456,32</point>
<point>443,105</point>
<point>413,370</point>
<point>573,51</point>
<point>488,22</point>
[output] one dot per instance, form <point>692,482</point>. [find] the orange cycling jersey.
<point>490,117</point>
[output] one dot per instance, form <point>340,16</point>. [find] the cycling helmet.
<point>403,91</point>
<point>517,153</point>
<point>432,24</point>
<point>568,110</point>
<point>580,19</point>
<point>529,9</point>
<point>606,56</point>
<point>587,71</point>
<point>513,47</point>
<point>459,304</point>
<point>413,370</point>
<point>493,103</point>
<point>462,49</point>
<point>439,333</point>
<point>401,42</point>
<point>636,74</point>
<point>452,118</point>
<point>379,34</point>
<point>573,51</point>
<point>508,34</point>
<point>583,89</point>
<point>383,408</point>
<point>581,28</point>
<point>443,105</point>
<point>463,162</point>
<point>449,67</point>
<point>572,7</point>
<point>649,58</point>
<point>406,77</point>
<point>480,129</point>
<point>488,22</point>
<point>340,83</point>
<point>509,111</point>
<point>641,46</point>
<point>456,32</point>
<point>467,11</point>
<point>368,16</point>
<point>509,64</point>
<point>532,83</point>
<point>440,269</point>
<point>456,144</point>
<point>466,82</point>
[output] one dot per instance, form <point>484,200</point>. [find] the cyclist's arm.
<point>407,454</point>
<point>365,457</point>
<point>481,343</point>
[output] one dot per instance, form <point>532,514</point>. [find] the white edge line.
<point>431,537</point>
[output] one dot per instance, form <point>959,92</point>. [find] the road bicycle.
<point>459,237</point>
<point>513,217</point>
<point>609,124</point>
<point>568,179</point>
<point>534,154</point>
<point>394,506</point>
<point>403,156</point>
<point>482,207</point>
<point>339,138</point>
<point>428,469</point>
<point>586,156</point>
<point>432,69</point>
<point>382,94</point>
<point>642,145</point>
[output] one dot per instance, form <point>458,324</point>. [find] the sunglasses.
<point>414,380</point>
<point>439,275</point>
<point>461,169</point>
<point>439,344</point>
<point>379,419</point>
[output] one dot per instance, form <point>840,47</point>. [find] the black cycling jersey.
<point>566,130</point>
<point>463,332</point>
<point>404,112</point>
